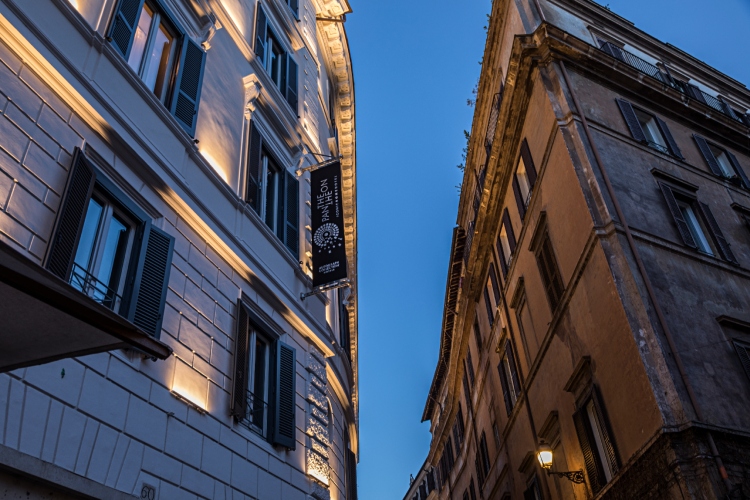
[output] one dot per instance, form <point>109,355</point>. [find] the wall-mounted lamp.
<point>544,455</point>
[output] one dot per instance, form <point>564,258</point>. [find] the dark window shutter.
<point>480,471</point>
<point>187,89</point>
<point>718,236</point>
<point>738,168</point>
<point>151,280</point>
<point>431,480</point>
<point>506,388</point>
<point>682,226</point>
<point>254,165</point>
<point>503,257</point>
<point>493,281</point>
<point>696,93</point>
<point>586,440</point>
<point>509,232</point>
<point>744,353</point>
<point>291,220</point>
<point>345,333</point>
<point>69,222</point>
<point>467,391</point>
<point>241,357</point>
<point>477,334</point>
<point>351,475</point>
<point>519,198</point>
<point>550,273</point>
<point>669,138</point>
<point>606,429</point>
<point>513,368</point>
<point>470,367</point>
<point>488,305</point>
<point>261,27</point>
<point>708,155</point>
<point>472,490</point>
<point>528,162</point>
<point>291,82</point>
<point>294,5</point>
<point>284,402</point>
<point>485,454</point>
<point>633,124</point>
<point>529,494</point>
<point>124,23</point>
<point>422,491</point>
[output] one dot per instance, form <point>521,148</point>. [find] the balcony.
<point>685,88</point>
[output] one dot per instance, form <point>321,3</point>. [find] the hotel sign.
<point>328,246</point>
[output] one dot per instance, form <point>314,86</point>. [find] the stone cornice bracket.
<point>209,30</point>
<point>253,90</point>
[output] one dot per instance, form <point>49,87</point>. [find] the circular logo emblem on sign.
<point>327,237</point>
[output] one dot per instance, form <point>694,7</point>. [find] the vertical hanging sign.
<point>328,247</point>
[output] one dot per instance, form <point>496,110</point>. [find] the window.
<point>467,391</point>
<point>477,334</point>
<point>472,490</point>
<point>547,263</point>
<point>264,386</point>
<point>696,223</point>
<point>743,351</point>
<point>722,162</point>
<point>493,283</point>
<point>278,63</point>
<point>273,192</point>
<point>506,243</point>
<point>483,460</point>
<point>106,247</point>
<point>533,492</point>
<point>154,46</point>
<point>597,444</point>
<point>488,305</point>
<point>649,129</point>
<point>458,430</point>
<point>496,435</point>
<point>470,366</point>
<point>524,179</point>
<point>509,378</point>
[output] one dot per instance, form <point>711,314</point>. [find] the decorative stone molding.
<point>253,89</point>
<point>317,457</point>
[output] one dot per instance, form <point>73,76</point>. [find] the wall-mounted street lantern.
<point>544,455</point>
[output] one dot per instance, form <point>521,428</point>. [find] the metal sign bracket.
<point>346,282</point>
<point>322,164</point>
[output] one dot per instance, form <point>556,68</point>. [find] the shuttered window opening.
<point>550,273</point>
<point>351,475</point>
<point>509,379</point>
<point>506,243</point>
<point>472,490</point>
<point>478,334</point>
<point>169,63</point>
<point>272,192</point>
<point>533,492</point>
<point>264,386</point>
<point>484,458</point>
<point>106,247</point>
<point>278,62</point>
<point>649,129</point>
<point>597,442</point>
<point>492,275</point>
<point>743,351</point>
<point>488,306</point>
<point>458,430</point>
<point>524,179</point>
<point>470,367</point>
<point>696,223</point>
<point>722,162</point>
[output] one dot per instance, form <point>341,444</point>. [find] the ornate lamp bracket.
<point>575,476</point>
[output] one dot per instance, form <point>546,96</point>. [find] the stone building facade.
<point>152,168</point>
<point>598,284</point>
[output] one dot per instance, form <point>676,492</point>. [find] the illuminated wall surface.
<point>117,424</point>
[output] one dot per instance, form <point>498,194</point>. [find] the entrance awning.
<point>43,319</point>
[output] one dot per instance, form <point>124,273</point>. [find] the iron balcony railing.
<point>688,89</point>
<point>87,283</point>
<point>256,416</point>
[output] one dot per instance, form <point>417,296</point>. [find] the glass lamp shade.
<point>544,455</point>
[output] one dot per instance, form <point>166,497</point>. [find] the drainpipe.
<point>649,289</point>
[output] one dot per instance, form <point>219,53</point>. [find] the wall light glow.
<point>74,3</point>
<point>215,165</point>
<point>190,386</point>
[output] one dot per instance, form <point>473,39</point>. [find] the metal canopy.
<point>45,319</point>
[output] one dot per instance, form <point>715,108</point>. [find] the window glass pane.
<point>141,37</point>
<point>512,388</point>
<point>598,440</point>
<point>113,255</point>
<point>695,228</point>
<point>721,158</point>
<point>88,237</point>
<point>272,188</point>
<point>505,244</point>
<point>259,382</point>
<point>523,180</point>
<point>650,128</point>
<point>155,72</point>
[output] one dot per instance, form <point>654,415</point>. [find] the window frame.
<point>590,403</point>
<point>638,132</point>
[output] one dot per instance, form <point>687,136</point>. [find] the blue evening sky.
<point>415,64</point>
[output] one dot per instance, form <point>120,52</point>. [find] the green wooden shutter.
<point>744,353</point>
<point>606,431</point>
<point>631,120</point>
<point>261,33</point>
<point>671,143</point>
<point>70,216</point>
<point>284,401</point>
<point>519,198</point>
<point>528,162</point>
<point>238,408</point>
<point>254,166</point>
<point>291,83</point>
<point>125,21</point>
<point>708,155</point>
<point>586,440</point>
<point>513,369</point>
<point>738,168</point>
<point>187,88</point>
<point>506,388</point>
<point>718,236</point>
<point>291,210</point>
<point>151,280</point>
<point>679,220</point>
